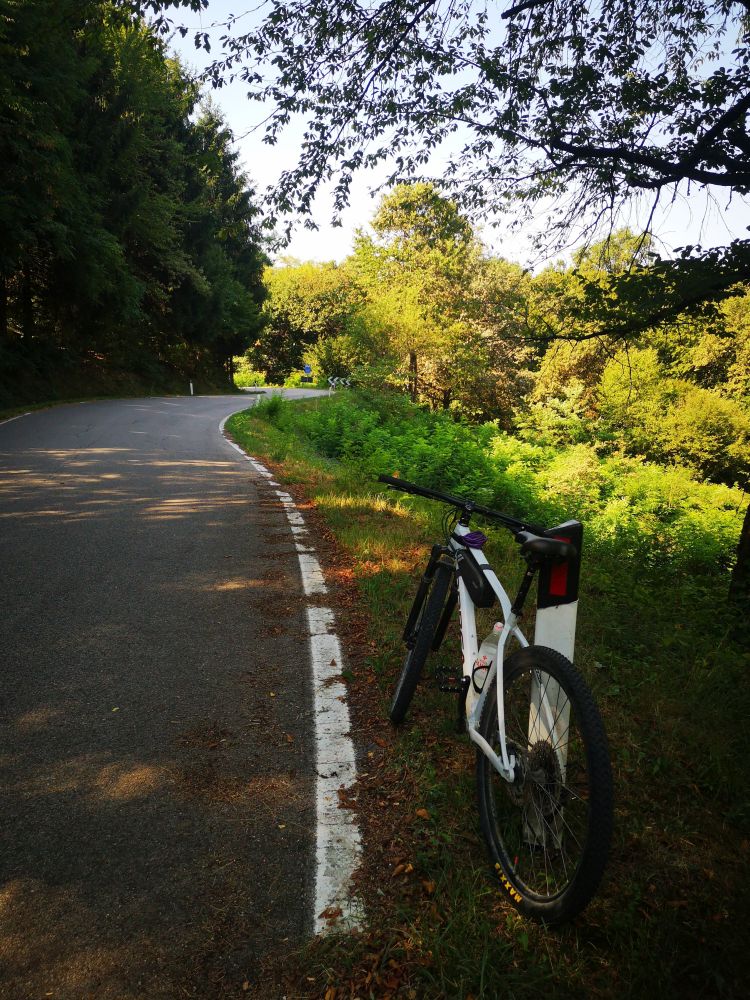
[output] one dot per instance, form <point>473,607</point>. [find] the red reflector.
<point>558,578</point>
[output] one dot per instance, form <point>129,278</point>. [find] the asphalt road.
<point>156,810</point>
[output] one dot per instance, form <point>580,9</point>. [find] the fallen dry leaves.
<point>390,816</point>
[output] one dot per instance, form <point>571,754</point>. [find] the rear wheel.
<point>420,641</point>
<point>548,832</point>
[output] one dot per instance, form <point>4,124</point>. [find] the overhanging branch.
<point>670,170</point>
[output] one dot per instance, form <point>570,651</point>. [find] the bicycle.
<point>544,782</point>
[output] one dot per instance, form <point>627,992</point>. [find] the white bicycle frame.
<point>555,627</point>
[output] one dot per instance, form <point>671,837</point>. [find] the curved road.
<point>157,812</point>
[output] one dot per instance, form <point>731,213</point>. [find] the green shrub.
<point>270,409</point>
<point>649,514</point>
<point>709,434</point>
<point>245,375</point>
<point>671,420</point>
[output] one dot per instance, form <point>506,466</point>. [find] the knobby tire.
<point>548,834</point>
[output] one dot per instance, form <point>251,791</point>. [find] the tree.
<point>129,149</point>
<point>216,306</point>
<point>306,303</point>
<point>736,313</point>
<point>417,267</point>
<point>495,375</point>
<point>575,100</point>
<point>129,237</point>
<point>42,81</point>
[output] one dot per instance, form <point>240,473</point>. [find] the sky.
<point>700,217</point>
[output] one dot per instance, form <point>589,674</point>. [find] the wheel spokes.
<point>542,823</point>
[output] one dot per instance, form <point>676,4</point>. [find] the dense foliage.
<point>420,307</point>
<point>128,233</point>
<point>632,509</point>
<point>573,104</point>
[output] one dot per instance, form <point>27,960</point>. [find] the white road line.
<point>18,417</point>
<point>338,842</point>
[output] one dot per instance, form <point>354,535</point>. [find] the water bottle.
<point>485,658</point>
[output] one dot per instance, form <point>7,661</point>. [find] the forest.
<point>536,361</point>
<point>130,249</point>
<point>133,258</point>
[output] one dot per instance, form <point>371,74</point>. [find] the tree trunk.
<point>27,305</point>
<point>739,586</point>
<point>3,308</point>
<point>413,376</point>
<point>446,398</point>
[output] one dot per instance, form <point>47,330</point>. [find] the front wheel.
<point>548,831</point>
<point>420,642</point>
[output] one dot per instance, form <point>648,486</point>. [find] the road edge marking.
<point>338,842</point>
<point>17,417</point>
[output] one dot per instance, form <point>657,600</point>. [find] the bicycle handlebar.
<point>462,504</point>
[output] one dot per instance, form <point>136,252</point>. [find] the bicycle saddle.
<point>540,548</point>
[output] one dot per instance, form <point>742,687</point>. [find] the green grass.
<point>656,647</point>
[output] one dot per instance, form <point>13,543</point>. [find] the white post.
<point>191,388</point>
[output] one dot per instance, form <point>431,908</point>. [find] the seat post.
<point>523,590</point>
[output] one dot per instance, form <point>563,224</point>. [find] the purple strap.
<point>474,540</point>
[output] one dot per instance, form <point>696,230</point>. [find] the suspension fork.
<point>450,607</point>
<point>424,585</point>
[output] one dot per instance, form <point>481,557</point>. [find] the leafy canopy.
<point>129,236</point>
<point>575,99</point>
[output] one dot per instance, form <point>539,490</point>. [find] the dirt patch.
<point>204,737</point>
